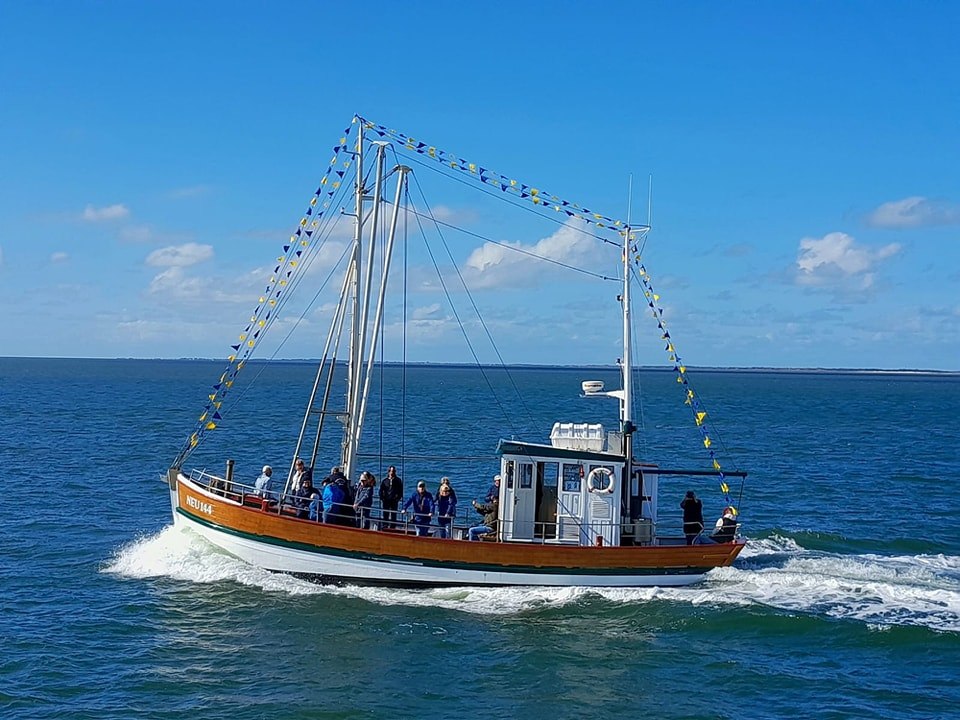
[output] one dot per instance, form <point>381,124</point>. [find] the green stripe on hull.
<point>446,564</point>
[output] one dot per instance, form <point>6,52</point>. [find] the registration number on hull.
<point>203,507</point>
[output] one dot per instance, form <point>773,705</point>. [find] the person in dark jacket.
<point>726,528</point>
<point>391,493</point>
<point>494,491</point>
<point>422,503</point>
<point>446,507</point>
<point>307,499</point>
<point>300,473</point>
<point>491,513</point>
<point>363,500</point>
<point>445,482</point>
<point>692,516</point>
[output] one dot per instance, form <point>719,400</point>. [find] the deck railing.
<point>664,533</point>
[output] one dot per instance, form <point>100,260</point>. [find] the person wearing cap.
<point>308,499</point>
<point>422,503</point>
<point>494,491</point>
<point>726,528</point>
<point>264,484</point>
<point>491,513</point>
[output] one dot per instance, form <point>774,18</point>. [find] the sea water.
<point>845,603</point>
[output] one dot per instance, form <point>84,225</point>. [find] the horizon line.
<point>520,365</point>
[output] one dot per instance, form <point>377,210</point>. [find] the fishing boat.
<point>574,508</point>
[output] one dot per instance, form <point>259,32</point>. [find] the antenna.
<point>629,197</point>
<point>650,202</point>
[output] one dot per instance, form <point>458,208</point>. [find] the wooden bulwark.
<point>268,527</point>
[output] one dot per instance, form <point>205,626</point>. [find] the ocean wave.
<point>774,572</point>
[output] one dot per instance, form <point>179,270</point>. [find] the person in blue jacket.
<point>332,500</point>
<point>446,507</point>
<point>422,503</point>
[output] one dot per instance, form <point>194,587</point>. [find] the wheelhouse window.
<point>572,478</point>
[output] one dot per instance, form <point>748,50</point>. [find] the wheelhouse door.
<point>524,503</point>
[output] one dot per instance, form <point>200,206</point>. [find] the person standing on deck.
<point>446,508</point>
<point>363,499</point>
<point>337,477</point>
<point>422,503</point>
<point>300,473</point>
<point>263,487</point>
<point>332,502</point>
<point>692,516</point>
<point>391,493</point>
<point>445,482</point>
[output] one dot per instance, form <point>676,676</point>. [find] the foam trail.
<point>775,572</point>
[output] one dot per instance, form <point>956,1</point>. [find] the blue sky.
<point>804,158</point>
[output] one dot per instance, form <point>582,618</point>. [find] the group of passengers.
<point>337,502</point>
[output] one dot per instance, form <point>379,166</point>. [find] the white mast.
<point>354,272</point>
<point>626,402</point>
<point>359,332</point>
<point>402,171</point>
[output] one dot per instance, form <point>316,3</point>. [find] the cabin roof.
<point>515,447</point>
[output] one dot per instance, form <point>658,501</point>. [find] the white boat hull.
<point>320,566</point>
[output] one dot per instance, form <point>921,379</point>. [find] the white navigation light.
<point>591,387</point>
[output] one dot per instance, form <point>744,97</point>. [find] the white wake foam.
<point>776,572</point>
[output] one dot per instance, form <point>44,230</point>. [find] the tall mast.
<point>354,361</point>
<point>626,405</point>
<point>357,401</point>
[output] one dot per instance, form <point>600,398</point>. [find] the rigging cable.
<point>463,331</point>
<point>516,249</point>
<point>483,324</point>
<point>441,170</point>
<point>714,430</point>
<point>325,230</point>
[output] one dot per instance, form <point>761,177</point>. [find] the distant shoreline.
<point>539,366</point>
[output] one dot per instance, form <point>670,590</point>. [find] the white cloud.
<point>492,265</point>
<point>110,212</point>
<point>914,211</point>
<point>446,214</point>
<point>59,257</point>
<point>428,312</point>
<point>136,234</point>
<point>173,283</point>
<point>836,259</point>
<point>180,255</point>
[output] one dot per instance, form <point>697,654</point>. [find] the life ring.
<point>593,476</point>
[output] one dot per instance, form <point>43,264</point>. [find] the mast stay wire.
<point>236,399</point>
<point>715,431</point>
<point>463,330</point>
<point>476,310</point>
<point>324,231</point>
<point>441,170</point>
<point>521,251</point>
